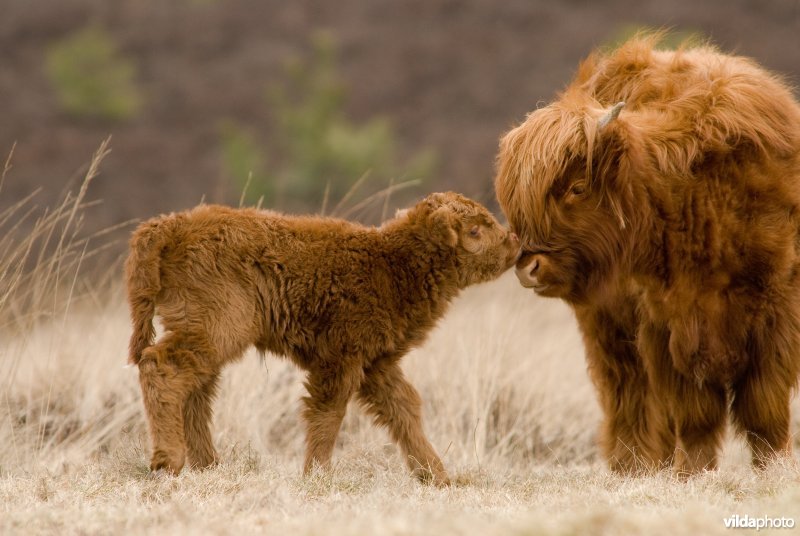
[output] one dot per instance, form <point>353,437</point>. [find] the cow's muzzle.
<point>527,270</point>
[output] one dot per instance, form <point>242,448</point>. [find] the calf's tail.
<point>143,281</point>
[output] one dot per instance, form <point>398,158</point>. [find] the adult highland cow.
<point>660,197</point>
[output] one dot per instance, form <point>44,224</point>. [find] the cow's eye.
<point>475,232</point>
<point>577,188</point>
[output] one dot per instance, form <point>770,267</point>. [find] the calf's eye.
<point>475,232</point>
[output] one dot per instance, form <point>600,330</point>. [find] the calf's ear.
<point>443,224</point>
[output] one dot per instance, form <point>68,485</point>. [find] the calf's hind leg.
<point>168,372</point>
<point>395,404</point>
<point>197,415</point>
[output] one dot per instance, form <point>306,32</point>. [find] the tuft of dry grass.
<point>507,403</point>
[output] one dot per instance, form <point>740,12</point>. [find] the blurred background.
<point>304,99</point>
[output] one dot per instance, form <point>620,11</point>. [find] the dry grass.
<point>508,404</point>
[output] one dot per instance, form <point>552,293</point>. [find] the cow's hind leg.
<point>395,404</point>
<point>698,412</point>
<point>168,372</point>
<point>761,399</point>
<point>637,433</point>
<point>700,417</point>
<point>761,411</point>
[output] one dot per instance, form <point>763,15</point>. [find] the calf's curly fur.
<point>343,301</point>
<point>659,195</point>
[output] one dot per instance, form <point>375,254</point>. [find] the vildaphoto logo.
<point>762,522</point>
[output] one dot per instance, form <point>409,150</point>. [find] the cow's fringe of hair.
<point>693,101</point>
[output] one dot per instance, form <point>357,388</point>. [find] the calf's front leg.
<point>395,404</point>
<point>329,392</point>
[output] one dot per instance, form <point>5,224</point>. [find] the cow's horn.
<point>610,116</point>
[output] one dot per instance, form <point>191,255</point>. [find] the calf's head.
<point>483,248</point>
<point>563,182</point>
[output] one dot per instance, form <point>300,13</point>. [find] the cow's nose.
<point>526,270</point>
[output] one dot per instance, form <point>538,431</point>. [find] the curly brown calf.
<point>345,302</point>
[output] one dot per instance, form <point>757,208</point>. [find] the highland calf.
<point>660,197</point>
<point>345,302</point>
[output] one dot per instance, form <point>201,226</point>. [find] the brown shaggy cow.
<point>659,195</point>
<point>345,302</point>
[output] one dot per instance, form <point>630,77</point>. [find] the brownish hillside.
<point>449,75</point>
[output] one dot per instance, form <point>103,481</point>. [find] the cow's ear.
<point>608,159</point>
<point>443,224</point>
<point>606,144</point>
<point>602,133</point>
<point>610,116</point>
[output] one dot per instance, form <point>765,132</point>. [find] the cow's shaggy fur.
<point>345,302</point>
<point>671,225</point>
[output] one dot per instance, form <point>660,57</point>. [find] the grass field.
<point>507,403</point>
